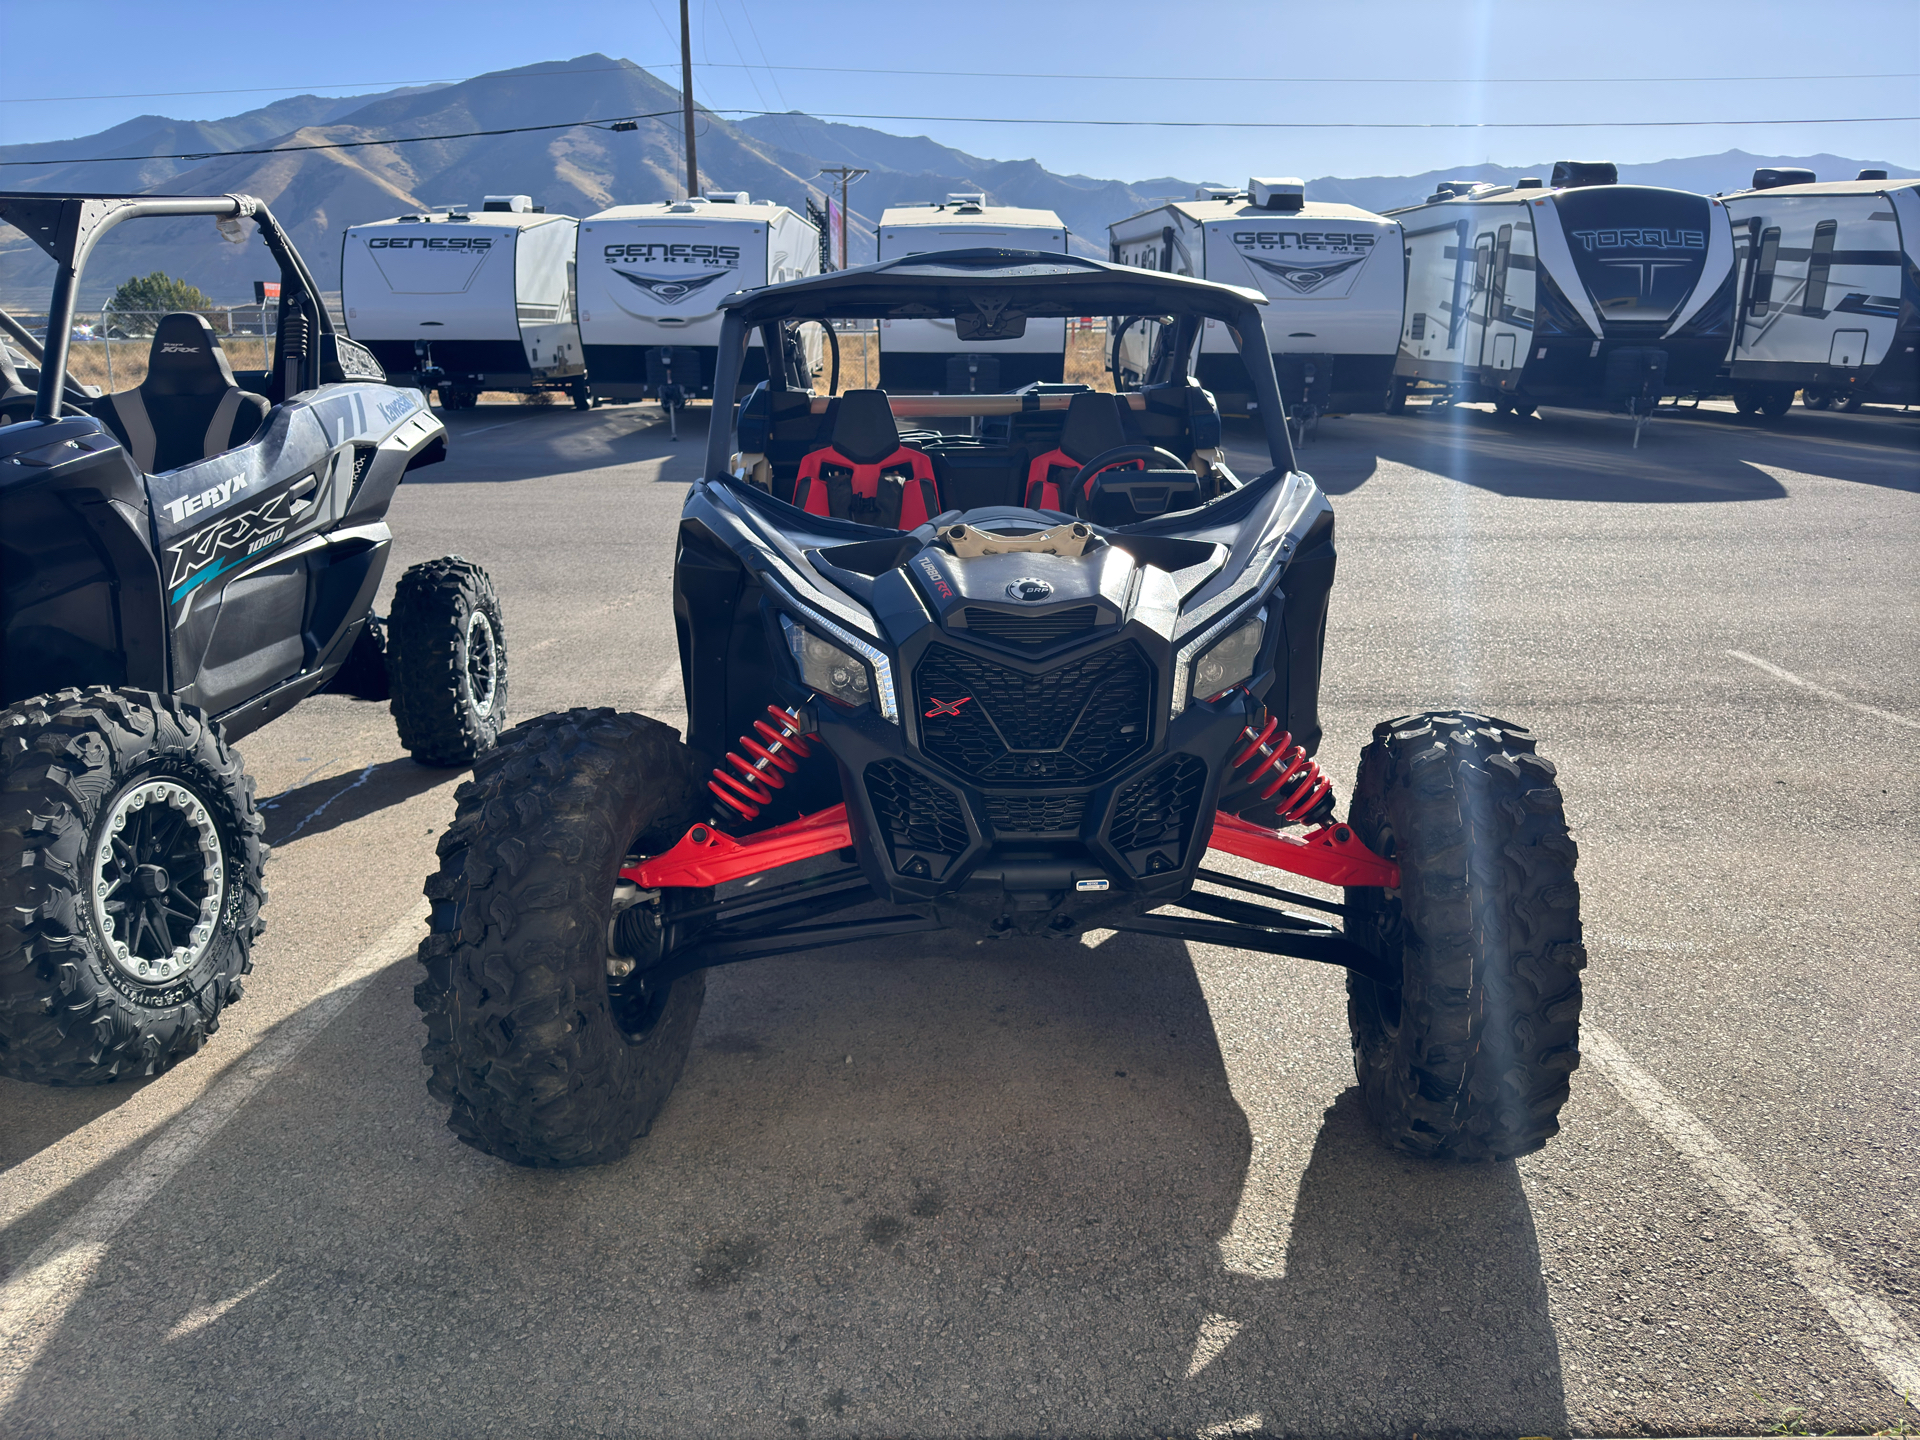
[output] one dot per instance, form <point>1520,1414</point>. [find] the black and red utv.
<point>1010,664</point>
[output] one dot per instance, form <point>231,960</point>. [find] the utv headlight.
<point>826,668</point>
<point>1230,659</point>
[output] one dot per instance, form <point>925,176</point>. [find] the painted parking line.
<point>1822,691</point>
<point>1865,1319</point>
<point>36,1298</point>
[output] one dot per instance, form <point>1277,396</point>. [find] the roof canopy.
<point>951,283</point>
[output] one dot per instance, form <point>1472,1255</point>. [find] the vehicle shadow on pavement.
<point>964,1189</point>
<point>37,1116</point>
<point>1688,457</point>
<point>341,798</point>
<point>509,443</point>
<point>1412,1300</point>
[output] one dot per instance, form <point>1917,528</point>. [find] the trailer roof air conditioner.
<point>975,198</point>
<point>1871,175</point>
<point>1772,178</point>
<point>1286,193</point>
<point>1447,189</point>
<point>1573,174</point>
<point>511,204</point>
<point>726,197</point>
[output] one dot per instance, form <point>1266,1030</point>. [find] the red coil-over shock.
<point>757,779</point>
<point>1296,792</point>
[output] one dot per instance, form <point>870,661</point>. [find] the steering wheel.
<point>1106,460</point>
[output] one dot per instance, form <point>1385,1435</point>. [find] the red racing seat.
<point>1092,427</point>
<point>864,473</point>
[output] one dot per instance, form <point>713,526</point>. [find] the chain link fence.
<point>109,347</point>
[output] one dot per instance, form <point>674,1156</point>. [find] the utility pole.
<point>686,99</point>
<point>846,174</point>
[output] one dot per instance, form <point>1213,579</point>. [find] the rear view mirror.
<point>1001,326</point>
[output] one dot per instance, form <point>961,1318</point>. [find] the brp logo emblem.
<point>1029,590</point>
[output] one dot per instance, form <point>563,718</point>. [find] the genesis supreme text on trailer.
<point>652,278</point>
<point>1331,274</point>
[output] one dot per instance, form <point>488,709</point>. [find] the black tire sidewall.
<point>517,989</point>
<point>1485,929</point>
<point>74,1017</point>
<point>428,640</point>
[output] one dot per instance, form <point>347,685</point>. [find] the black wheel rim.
<point>157,877</point>
<point>483,662</point>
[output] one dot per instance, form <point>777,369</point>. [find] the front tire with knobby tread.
<point>524,1040</point>
<point>447,662</point>
<point>1469,1059</point>
<point>70,1014</point>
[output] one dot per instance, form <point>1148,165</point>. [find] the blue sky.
<point>1384,61</point>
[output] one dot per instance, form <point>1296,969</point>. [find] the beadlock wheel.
<point>157,881</point>
<point>483,662</point>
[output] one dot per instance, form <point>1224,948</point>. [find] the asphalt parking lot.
<point>1117,1188</point>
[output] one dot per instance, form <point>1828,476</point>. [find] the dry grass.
<point>1087,359</point>
<point>860,365</point>
<point>87,359</point>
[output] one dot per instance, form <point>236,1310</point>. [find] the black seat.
<point>1179,416</point>
<point>188,408</point>
<point>16,400</point>
<point>1094,425</point>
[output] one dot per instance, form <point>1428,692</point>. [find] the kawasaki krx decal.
<point>224,544</point>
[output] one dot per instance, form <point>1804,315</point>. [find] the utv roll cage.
<point>1026,284</point>
<point>68,227</point>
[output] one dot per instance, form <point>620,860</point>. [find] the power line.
<point>620,122</point>
<point>998,75</point>
<point>291,91</point>
<point>1350,124</point>
<point>617,122</point>
<point>1333,79</point>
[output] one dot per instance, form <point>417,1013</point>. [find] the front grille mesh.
<point>1157,811</point>
<point>1036,814</point>
<point>1036,627</point>
<point>1070,725</point>
<point>917,813</point>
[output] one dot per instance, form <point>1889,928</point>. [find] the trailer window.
<point>1763,271</point>
<point>1819,264</point>
<point>1482,263</point>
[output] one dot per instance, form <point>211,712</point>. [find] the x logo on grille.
<point>946,707</point>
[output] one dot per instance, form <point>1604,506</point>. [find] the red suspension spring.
<point>1305,786</point>
<point>779,749</point>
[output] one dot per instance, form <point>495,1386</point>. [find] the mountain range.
<point>586,167</point>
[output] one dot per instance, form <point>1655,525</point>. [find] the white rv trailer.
<point>652,278</point>
<point>1583,293</point>
<point>467,301</point>
<point>1829,303</point>
<point>926,355</point>
<point>1331,274</point>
